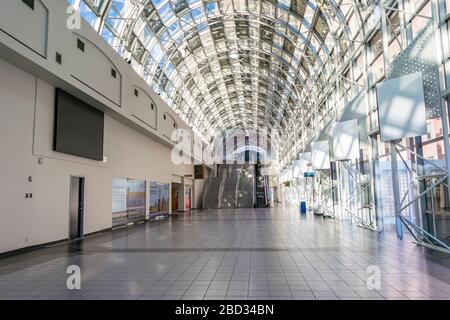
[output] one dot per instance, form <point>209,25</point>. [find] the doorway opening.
<point>175,196</point>
<point>187,197</point>
<point>76,208</point>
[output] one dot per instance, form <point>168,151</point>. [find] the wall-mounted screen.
<point>201,171</point>
<point>401,107</point>
<point>78,127</point>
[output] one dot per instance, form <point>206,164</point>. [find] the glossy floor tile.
<point>232,254</point>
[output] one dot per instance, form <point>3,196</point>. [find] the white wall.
<point>167,124</point>
<point>26,132</point>
<point>93,68</point>
<point>137,139</point>
<point>142,108</point>
<point>16,133</point>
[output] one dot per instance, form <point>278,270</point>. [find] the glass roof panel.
<point>227,63</point>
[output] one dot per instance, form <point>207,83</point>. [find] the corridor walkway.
<point>231,254</point>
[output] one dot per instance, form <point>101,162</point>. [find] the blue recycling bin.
<point>303,207</point>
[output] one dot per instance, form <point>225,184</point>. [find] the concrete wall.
<point>26,132</point>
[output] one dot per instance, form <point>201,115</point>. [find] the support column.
<point>393,149</point>
<point>396,190</point>
<point>439,30</point>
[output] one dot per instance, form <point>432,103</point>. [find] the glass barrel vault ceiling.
<point>232,63</point>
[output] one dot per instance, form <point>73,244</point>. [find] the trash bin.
<point>303,206</point>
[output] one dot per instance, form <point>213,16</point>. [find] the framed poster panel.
<point>345,140</point>
<point>320,156</point>
<point>401,107</point>
<point>135,200</point>
<point>304,161</point>
<point>119,202</point>
<point>159,199</point>
<point>296,172</point>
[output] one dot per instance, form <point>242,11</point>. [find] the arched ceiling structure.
<point>250,64</point>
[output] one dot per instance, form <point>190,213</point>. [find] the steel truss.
<point>362,184</point>
<point>325,194</point>
<point>420,235</point>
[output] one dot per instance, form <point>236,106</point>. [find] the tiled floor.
<point>232,254</point>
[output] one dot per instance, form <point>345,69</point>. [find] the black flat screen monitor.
<point>79,127</point>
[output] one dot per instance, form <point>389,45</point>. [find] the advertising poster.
<point>119,202</point>
<point>187,197</point>
<point>128,201</point>
<point>174,197</point>
<point>135,200</point>
<point>159,199</point>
